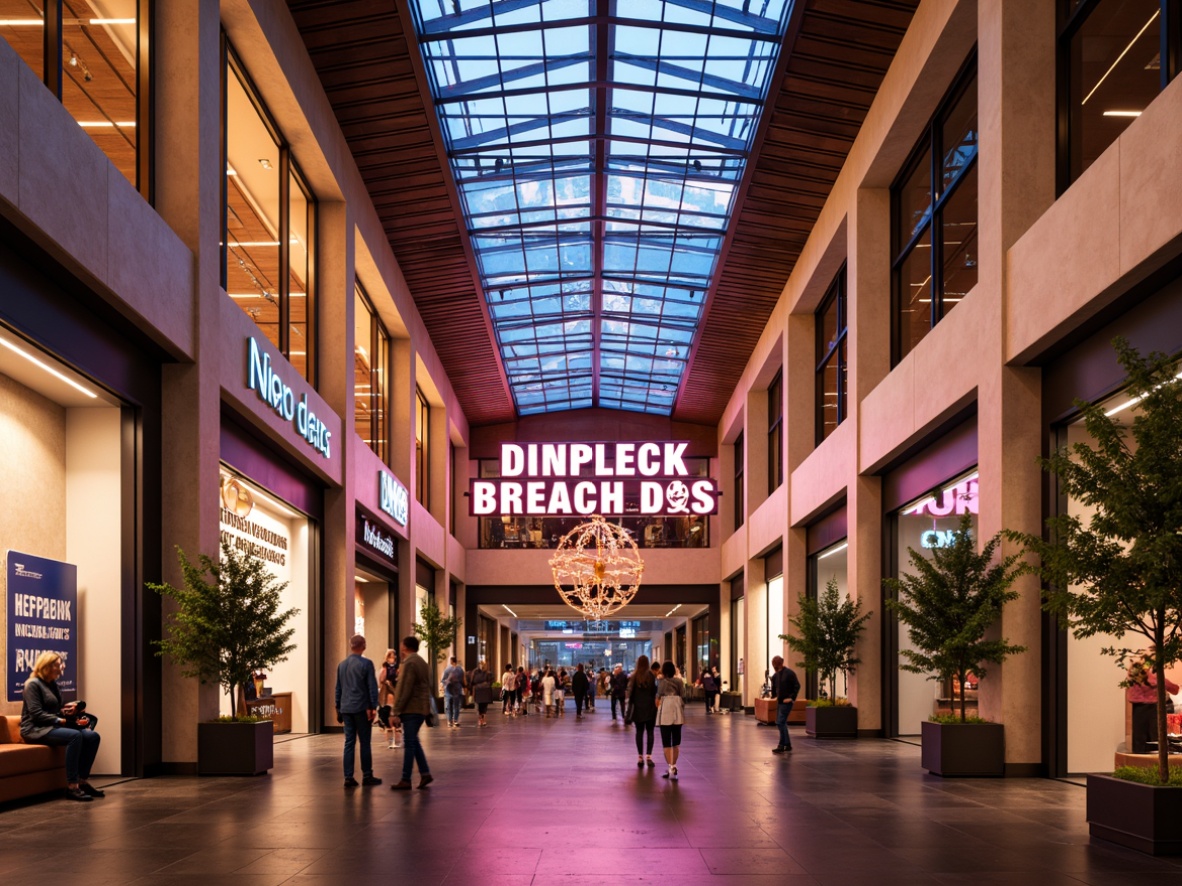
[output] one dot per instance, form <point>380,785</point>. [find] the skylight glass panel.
<point>597,209</point>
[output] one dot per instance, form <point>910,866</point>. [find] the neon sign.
<point>958,499</point>
<point>272,390</point>
<point>393,497</point>
<point>580,479</point>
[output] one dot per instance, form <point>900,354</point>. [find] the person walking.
<point>785,687</point>
<point>709,689</point>
<point>548,690</point>
<point>642,695</point>
<point>670,716</point>
<point>412,703</point>
<point>524,694</point>
<point>453,692</point>
<point>508,691</point>
<point>592,686</point>
<point>356,702</point>
<point>561,683</point>
<point>579,685</point>
<point>619,689</point>
<point>387,679</point>
<point>481,684</point>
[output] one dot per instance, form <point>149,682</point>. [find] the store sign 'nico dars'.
<point>277,394</point>
<point>580,479</point>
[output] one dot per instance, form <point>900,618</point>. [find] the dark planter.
<point>730,701</point>
<point>961,750</point>
<point>235,748</point>
<point>839,721</point>
<point>1140,816</point>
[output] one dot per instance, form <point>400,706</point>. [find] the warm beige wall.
<point>33,477</point>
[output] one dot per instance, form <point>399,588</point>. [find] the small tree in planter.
<point>1122,573</point>
<point>226,627</point>
<point>948,604</point>
<point>437,633</point>
<point>828,630</point>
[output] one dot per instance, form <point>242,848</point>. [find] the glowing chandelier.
<point>597,568</point>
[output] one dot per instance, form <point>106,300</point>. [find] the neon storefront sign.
<point>580,479</point>
<point>955,500</point>
<point>393,497</point>
<point>276,393</point>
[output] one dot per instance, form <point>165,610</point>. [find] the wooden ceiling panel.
<point>837,60</point>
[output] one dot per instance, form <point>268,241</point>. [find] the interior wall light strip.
<point>1133,402</point>
<point>510,611</point>
<point>836,550</point>
<point>106,124</point>
<point>1112,67</point>
<point>48,368</point>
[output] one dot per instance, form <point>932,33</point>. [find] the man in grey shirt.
<point>356,703</point>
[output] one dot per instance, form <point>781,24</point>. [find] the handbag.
<point>433,715</point>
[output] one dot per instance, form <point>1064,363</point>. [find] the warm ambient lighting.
<point>931,499</point>
<point>1133,402</point>
<point>47,368</point>
<point>106,124</point>
<point>112,21</point>
<point>597,568</point>
<point>1125,52</point>
<point>1122,113</point>
<point>836,550</point>
<point>510,611</point>
<point>671,611</point>
<point>21,23</point>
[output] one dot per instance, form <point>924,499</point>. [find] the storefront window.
<point>691,531</point>
<point>831,564</point>
<point>927,523</point>
<point>775,433</point>
<point>831,358</point>
<point>258,523</point>
<point>1113,64</point>
<point>93,67</point>
<point>775,623</point>
<point>422,449</point>
<point>371,361</point>
<point>270,225</point>
<point>704,647</point>
<point>934,207</point>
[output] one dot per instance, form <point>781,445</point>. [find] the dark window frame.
<point>378,332</point>
<point>422,449</point>
<point>775,432</point>
<point>832,351</point>
<point>740,450</point>
<point>902,250</point>
<point>1069,22</point>
<point>288,169</point>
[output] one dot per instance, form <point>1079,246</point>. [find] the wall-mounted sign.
<point>272,390</point>
<point>956,500</point>
<point>580,479</point>
<point>376,539</point>
<point>938,538</point>
<point>393,497</point>
<point>42,617</point>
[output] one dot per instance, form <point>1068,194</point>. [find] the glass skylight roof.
<point>597,159</point>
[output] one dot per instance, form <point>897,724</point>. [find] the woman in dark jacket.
<point>642,695</point>
<point>44,721</point>
<point>579,684</point>
<point>481,682</point>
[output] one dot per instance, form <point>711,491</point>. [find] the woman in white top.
<point>509,691</point>
<point>670,715</point>
<point>548,691</point>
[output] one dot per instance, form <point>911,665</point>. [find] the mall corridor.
<point>536,801</point>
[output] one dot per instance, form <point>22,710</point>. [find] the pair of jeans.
<point>623,706</point>
<point>412,748</point>
<point>357,726</point>
<point>81,748</point>
<point>782,711</point>
<point>711,697</point>
<point>454,703</point>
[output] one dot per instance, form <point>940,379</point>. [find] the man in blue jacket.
<point>785,687</point>
<point>356,702</point>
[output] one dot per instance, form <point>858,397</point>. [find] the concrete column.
<point>864,558</point>
<point>1016,101</point>
<point>402,462</point>
<point>188,170</point>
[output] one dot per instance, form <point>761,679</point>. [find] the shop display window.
<point>774,624</point>
<point>929,522</point>
<point>371,365</point>
<point>691,531</point>
<point>269,224</point>
<point>93,66</point>
<point>831,564</point>
<point>934,212</point>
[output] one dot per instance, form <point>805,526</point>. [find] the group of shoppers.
<point>457,684</point>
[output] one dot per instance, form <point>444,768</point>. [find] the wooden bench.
<point>765,710</point>
<point>27,769</point>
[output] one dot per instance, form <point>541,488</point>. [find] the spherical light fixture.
<point>597,568</point>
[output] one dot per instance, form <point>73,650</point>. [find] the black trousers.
<point>1144,726</point>
<point>622,706</point>
<point>580,700</point>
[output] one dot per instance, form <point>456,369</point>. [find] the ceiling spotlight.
<point>265,163</point>
<point>73,60</point>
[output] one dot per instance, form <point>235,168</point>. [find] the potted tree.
<point>438,634</point>
<point>949,604</point>
<point>1121,574</point>
<point>225,628</point>
<point>827,633</point>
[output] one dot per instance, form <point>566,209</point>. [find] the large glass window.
<point>934,208</point>
<point>775,433</point>
<point>371,363</point>
<point>270,225</point>
<point>91,56</point>
<point>927,523</point>
<point>740,459</point>
<point>831,358</point>
<point>1111,64</point>
<point>422,449</point>
<point>829,565</point>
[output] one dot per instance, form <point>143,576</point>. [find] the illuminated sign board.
<point>956,500</point>
<point>373,537</point>
<point>580,479</point>
<point>272,390</point>
<point>393,497</point>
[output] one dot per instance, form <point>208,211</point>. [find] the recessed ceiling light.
<point>265,163</point>
<point>1122,113</point>
<point>37,362</point>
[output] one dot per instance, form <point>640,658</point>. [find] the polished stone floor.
<point>536,801</point>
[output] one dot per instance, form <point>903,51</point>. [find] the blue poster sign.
<point>42,617</point>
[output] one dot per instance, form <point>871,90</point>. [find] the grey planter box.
<point>964,750</point>
<point>1139,816</point>
<point>831,722</point>
<point>235,748</point>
